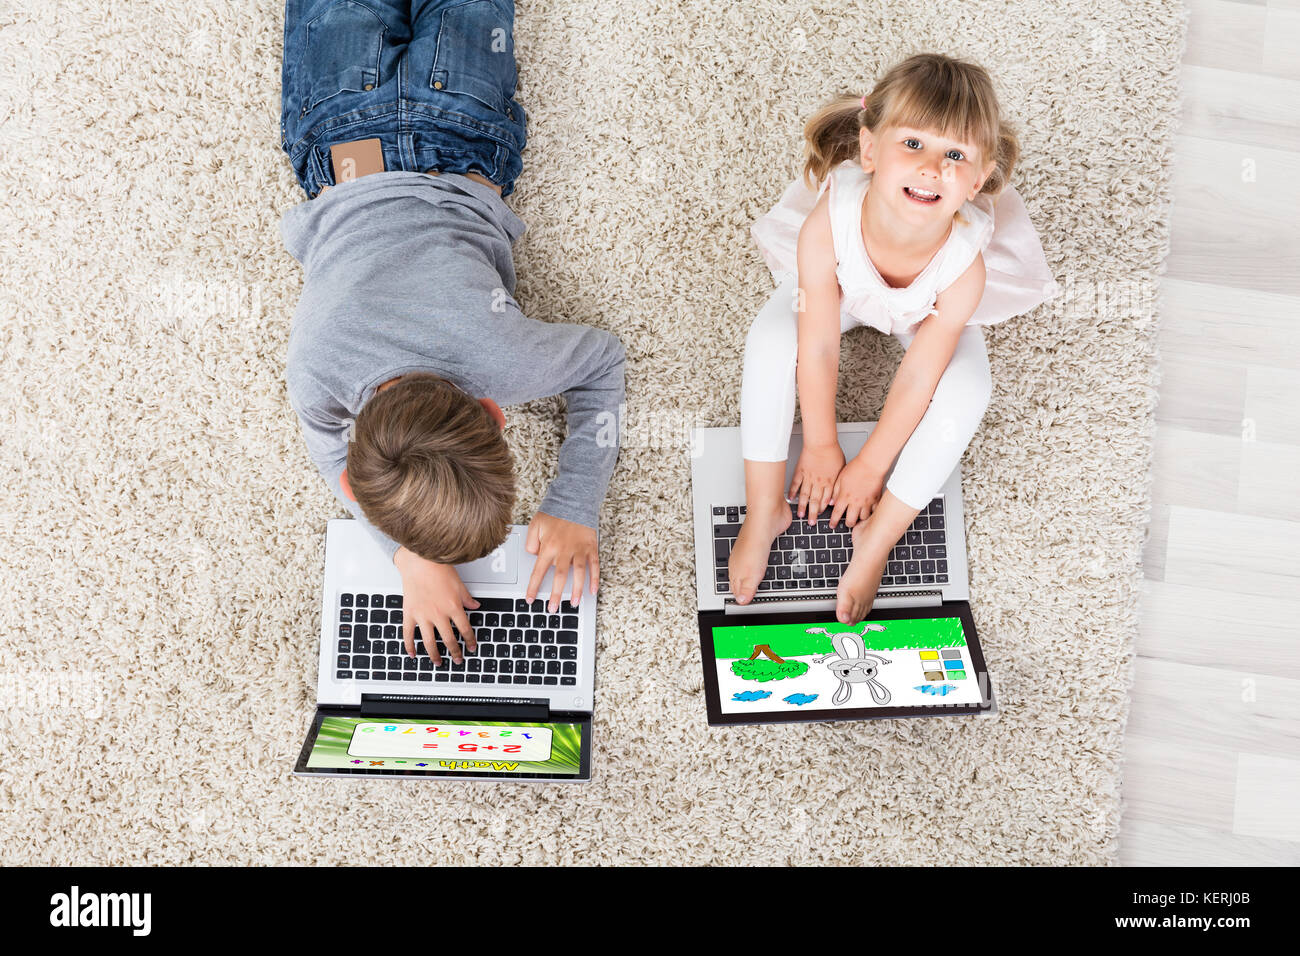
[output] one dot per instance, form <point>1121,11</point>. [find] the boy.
<point>407,322</point>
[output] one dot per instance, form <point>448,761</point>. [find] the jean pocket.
<point>341,53</point>
<point>476,54</point>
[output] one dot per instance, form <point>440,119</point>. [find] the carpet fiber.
<point>163,529</point>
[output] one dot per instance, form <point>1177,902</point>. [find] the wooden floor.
<point>1212,749</point>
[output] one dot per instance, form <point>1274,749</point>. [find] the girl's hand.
<point>814,476</point>
<point>857,491</point>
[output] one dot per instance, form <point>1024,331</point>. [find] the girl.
<point>914,230</point>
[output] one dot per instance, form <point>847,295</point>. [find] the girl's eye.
<point>956,159</point>
<point>912,139</point>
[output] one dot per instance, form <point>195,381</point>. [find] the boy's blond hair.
<point>925,91</point>
<point>430,469</point>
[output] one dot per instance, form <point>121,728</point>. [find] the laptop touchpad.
<point>499,567</point>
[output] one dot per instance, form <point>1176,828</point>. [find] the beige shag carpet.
<point>163,528</point>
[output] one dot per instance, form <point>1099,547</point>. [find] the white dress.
<point>1018,278</point>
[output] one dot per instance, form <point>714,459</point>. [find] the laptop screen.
<point>901,662</point>
<point>416,747</point>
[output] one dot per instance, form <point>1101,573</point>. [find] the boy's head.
<point>430,469</point>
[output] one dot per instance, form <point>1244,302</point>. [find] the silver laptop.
<point>784,656</point>
<point>518,707</point>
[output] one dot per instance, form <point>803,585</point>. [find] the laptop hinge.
<point>481,708</point>
<point>764,604</point>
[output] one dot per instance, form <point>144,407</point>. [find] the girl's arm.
<point>818,366</point>
<point>923,365</point>
<point>862,482</point>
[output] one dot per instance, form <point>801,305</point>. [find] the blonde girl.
<point>914,229</point>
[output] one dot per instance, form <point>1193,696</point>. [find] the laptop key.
<point>550,680</point>
<point>426,675</point>
<point>363,675</point>
<point>568,653</point>
<point>551,652</point>
<point>567,637</point>
<point>568,681</point>
<point>363,600</point>
<point>345,600</point>
<point>570,667</point>
<point>344,675</point>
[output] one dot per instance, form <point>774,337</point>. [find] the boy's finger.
<point>408,634</point>
<point>430,645</point>
<point>803,500</point>
<point>579,579</point>
<point>466,631</point>
<point>449,640</point>
<point>557,585</point>
<point>595,571</point>
<point>533,539</point>
<point>794,485</point>
<point>535,579</point>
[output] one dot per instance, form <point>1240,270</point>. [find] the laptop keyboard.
<point>518,643</point>
<point>806,558</point>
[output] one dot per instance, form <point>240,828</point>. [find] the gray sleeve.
<point>536,359</point>
<point>327,446</point>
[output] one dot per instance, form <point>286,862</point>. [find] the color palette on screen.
<point>942,663</point>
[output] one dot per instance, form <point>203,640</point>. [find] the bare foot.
<point>861,580</point>
<point>748,559</point>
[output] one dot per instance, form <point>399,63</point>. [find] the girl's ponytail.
<point>831,137</point>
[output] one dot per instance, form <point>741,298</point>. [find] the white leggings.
<point>767,396</point>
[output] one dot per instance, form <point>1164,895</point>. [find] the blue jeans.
<point>432,80</point>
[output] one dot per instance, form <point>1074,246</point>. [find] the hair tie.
<point>864,101</point>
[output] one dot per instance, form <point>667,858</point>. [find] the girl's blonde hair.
<point>925,91</point>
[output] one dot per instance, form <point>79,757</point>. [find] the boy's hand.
<point>433,597</point>
<point>563,544</point>
<point>857,491</point>
<point>814,476</point>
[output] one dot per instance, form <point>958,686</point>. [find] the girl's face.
<point>911,166</point>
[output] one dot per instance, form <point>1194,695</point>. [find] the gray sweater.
<point>413,273</point>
